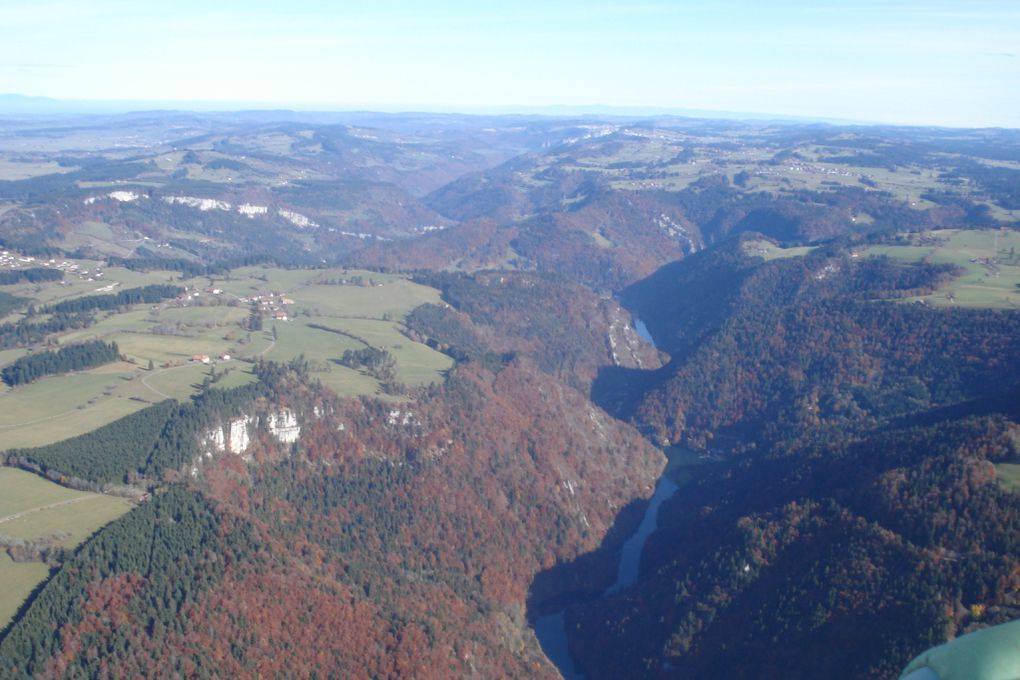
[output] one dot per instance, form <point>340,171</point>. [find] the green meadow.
<point>32,507</point>
<point>359,307</point>
<point>1008,475</point>
<point>770,251</point>
<point>989,260</point>
<point>328,312</point>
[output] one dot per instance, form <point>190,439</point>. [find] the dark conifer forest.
<point>71,358</point>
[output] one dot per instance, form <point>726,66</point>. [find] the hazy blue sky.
<point>904,61</point>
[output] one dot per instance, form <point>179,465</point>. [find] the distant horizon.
<point>41,106</point>
<point>912,62</point>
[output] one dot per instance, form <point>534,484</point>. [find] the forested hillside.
<point>854,495</point>
<point>378,394</point>
<point>70,358</point>
<point>130,581</point>
<point>840,558</point>
<point>428,522</point>
<point>812,343</point>
<point>568,330</point>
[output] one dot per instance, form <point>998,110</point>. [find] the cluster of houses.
<point>271,304</point>
<point>206,359</point>
<point>11,260</point>
<point>192,293</point>
<point>811,169</point>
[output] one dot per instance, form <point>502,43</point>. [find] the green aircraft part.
<point>987,654</point>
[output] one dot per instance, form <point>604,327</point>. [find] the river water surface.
<point>551,629</point>
<point>642,330</point>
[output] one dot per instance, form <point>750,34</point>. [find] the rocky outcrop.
<point>236,434</point>
<point>284,426</point>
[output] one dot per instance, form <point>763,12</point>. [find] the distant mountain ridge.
<point>27,104</point>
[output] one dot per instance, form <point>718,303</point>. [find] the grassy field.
<point>9,355</point>
<point>770,251</point>
<point>32,507</point>
<point>991,278</point>
<point>248,281</point>
<point>103,238</point>
<point>164,348</point>
<point>1008,475</point>
<point>416,363</point>
<point>370,306</point>
<point>59,407</point>
<point>180,382</point>
<point>989,260</point>
<point>73,286</point>
<point>14,170</point>
<point>52,395</point>
<point>394,299</point>
<point>19,580</point>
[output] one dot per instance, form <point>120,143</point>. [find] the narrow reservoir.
<point>551,628</point>
<point>642,330</point>
<point>551,631</point>
<point>630,553</point>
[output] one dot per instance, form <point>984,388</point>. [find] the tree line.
<point>113,454</point>
<point>71,358</point>
<point>378,363</point>
<point>188,268</point>
<point>24,333</point>
<point>30,275</point>
<point>132,296</point>
<point>140,447</point>
<point>9,303</point>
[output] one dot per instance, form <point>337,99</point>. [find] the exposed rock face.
<point>239,438</point>
<point>203,204</point>
<point>284,426</point>
<point>235,435</point>
<point>297,219</point>
<point>218,440</point>
<point>232,437</point>
<point>120,196</point>
<point>249,210</point>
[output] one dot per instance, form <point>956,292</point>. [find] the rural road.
<point>19,515</point>
<point>40,420</point>
<point>266,350</point>
<point>145,380</point>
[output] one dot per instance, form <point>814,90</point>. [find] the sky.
<point>920,62</point>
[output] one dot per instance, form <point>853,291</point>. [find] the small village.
<point>12,260</point>
<point>267,304</point>
<point>271,305</point>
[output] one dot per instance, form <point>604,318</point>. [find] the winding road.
<point>145,380</point>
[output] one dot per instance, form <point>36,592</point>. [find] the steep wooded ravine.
<point>412,529</point>
<point>853,516</point>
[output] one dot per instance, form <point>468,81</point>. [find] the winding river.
<point>642,330</point>
<point>551,628</point>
